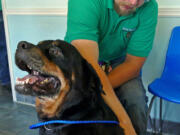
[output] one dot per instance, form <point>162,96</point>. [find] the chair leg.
<point>148,114</point>
<point>160,116</point>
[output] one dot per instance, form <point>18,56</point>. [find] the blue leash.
<point>38,125</point>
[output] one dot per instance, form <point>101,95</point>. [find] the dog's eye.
<point>55,51</point>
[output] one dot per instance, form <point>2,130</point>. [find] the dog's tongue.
<point>28,78</point>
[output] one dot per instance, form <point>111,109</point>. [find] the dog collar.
<point>68,122</point>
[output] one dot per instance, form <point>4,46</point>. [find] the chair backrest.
<point>172,64</point>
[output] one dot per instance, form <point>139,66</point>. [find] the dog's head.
<point>58,75</point>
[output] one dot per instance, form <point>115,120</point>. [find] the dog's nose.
<point>24,45</point>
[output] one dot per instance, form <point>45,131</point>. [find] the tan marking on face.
<point>55,43</point>
<point>51,68</point>
<point>51,106</point>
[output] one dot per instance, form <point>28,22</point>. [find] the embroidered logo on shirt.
<point>128,29</point>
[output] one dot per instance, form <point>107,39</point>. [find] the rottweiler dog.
<point>66,87</point>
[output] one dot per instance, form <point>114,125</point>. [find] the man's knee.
<point>131,90</point>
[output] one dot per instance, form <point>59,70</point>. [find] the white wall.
<point>25,4</point>
<point>169,3</point>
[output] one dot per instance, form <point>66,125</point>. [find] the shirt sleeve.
<point>82,20</point>
<point>142,39</point>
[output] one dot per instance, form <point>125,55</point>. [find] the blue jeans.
<point>133,97</point>
<point>4,68</point>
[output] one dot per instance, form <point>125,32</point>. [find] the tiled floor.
<point>15,119</point>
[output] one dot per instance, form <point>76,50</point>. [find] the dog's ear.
<point>91,73</point>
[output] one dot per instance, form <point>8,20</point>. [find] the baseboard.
<point>169,11</point>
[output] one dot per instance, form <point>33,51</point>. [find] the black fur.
<point>83,101</point>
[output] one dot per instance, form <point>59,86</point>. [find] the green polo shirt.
<point>116,35</point>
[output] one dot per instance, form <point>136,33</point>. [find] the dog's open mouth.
<point>36,82</point>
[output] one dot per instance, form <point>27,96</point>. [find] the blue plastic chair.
<point>168,85</point>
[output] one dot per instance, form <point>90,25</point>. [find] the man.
<point>4,68</point>
<point>120,33</point>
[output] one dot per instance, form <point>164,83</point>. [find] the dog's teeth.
<point>27,81</point>
<point>17,82</point>
<point>35,72</point>
<point>46,80</point>
<point>21,82</point>
<point>56,84</point>
<point>29,67</point>
<point>42,82</point>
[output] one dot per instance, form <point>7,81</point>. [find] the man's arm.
<point>89,50</point>
<point>129,69</point>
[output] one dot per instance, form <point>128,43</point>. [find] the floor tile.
<point>6,133</point>
<point>29,132</point>
<point>15,118</point>
<point>27,109</point>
